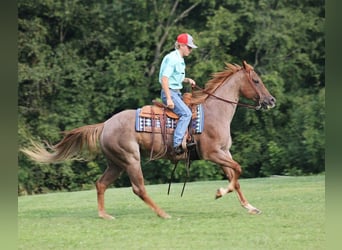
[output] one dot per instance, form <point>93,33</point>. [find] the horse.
<point>123,146</point>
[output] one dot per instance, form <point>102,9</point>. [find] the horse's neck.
<point>224,111</point>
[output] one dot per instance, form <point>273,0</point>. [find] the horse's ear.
<point>244,64</point>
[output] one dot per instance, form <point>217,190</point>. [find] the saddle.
<point>160,109</point>
<point>159,119</point>
<point>156,110</point>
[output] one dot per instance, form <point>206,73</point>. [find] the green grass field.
<point>293,217</point>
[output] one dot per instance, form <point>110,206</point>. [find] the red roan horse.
<point>122,145</point>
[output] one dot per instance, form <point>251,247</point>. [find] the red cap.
<point>186,39</point>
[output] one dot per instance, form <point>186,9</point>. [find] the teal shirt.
<point>173,67</point>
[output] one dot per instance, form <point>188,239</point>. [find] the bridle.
<point>248,75</point>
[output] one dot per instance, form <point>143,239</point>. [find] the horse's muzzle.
<point>268,103</point>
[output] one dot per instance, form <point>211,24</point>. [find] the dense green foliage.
<point>79,62</point>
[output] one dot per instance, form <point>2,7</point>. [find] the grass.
<point>293,218</point>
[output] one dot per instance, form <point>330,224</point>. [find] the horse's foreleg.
<point>243,201</point>
<point>108,177</point>
<point>136,177</point>
<point>224,159</point>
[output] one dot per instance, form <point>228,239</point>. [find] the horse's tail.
<point>74,143</point>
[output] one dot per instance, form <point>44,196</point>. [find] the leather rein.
<point>256,107</point>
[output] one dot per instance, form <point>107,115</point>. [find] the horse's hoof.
<point>217,196</point>
<point>106,217</point>
<point>254,211</point>
<point>251,209</point>
<point>219,193</point>
<point>165,216</point>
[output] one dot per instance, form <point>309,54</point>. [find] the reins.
<point>232,102</point>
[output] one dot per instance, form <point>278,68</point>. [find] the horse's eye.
<point>255,81</point>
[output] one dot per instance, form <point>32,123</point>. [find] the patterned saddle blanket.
<point>156,118</point>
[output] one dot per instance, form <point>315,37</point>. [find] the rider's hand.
<point>191,82</point>
<point>170,104</point>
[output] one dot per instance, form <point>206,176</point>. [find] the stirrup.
<point>179,150</point>
<point>191,145</point>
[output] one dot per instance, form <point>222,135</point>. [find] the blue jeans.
<point>182,111</point>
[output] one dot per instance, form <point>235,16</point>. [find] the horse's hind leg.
<point>136,177</point>
<point>243,201</point>
<point>109,176</point>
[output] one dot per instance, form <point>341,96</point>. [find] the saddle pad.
<point>149,124</point>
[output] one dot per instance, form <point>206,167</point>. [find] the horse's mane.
<point>199,96</point>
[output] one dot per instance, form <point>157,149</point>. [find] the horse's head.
<point>254,89</point>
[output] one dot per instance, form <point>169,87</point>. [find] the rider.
<point>171,78</point>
